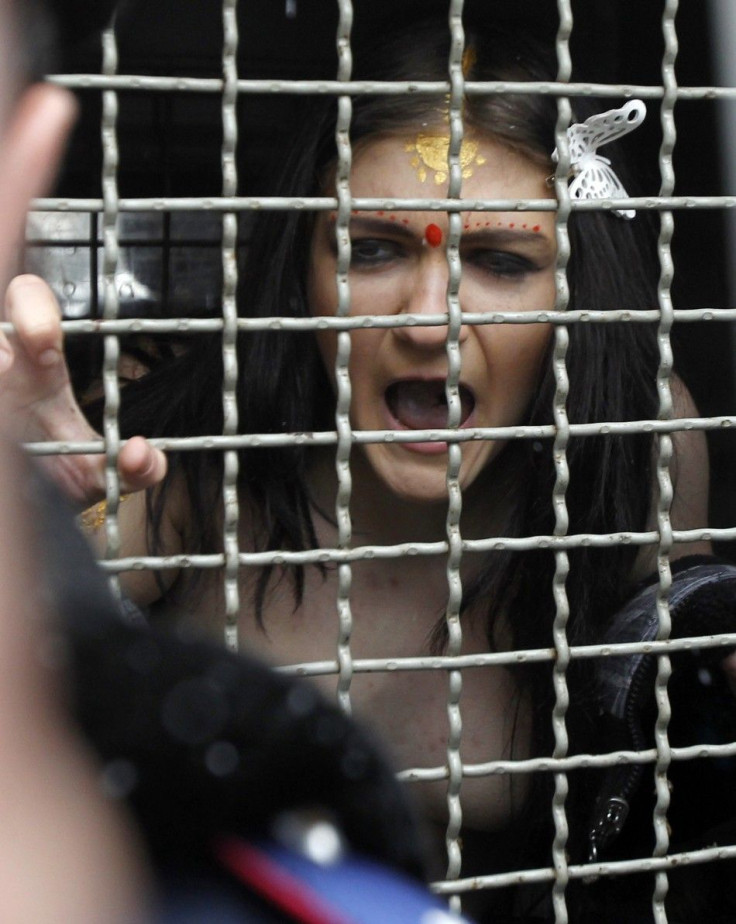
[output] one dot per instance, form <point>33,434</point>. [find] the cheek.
<point>517,357</point>
<point>363,348</point>
<point>321,280</point>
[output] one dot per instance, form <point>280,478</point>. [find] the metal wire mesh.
<point>231,209</point>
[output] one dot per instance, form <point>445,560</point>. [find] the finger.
<point>140,465</point>
<point>6,353</point>
<point>34,136</point>
<point>34,312</point>
<point>19,605</point>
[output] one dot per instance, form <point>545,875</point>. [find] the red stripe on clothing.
<point>257,870</point>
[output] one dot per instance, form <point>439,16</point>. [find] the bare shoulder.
<point>142,586</point>
<point>689,471</point>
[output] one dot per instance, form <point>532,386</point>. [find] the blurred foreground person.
<point>64,854</point>
<point>247,798</point>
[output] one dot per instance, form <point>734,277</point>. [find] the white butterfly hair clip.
<point>592,175</point>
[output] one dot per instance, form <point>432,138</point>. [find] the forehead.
<point>415,166</point>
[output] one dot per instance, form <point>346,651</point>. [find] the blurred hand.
<point>37,403</point>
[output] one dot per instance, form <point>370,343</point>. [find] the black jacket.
<point>702,789</point>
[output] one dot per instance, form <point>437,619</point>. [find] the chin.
<point>421,480</point>
<point>420,494</point>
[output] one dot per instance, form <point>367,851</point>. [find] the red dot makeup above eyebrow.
<point>433,235</point>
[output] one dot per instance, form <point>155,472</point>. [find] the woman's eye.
<point>501,263</point>
<point>370,252</point>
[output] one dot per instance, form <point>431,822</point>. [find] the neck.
<point>379,517</point>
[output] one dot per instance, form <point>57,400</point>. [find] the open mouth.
<point>420,404</point>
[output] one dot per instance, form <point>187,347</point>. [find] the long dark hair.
<point>283,386</point>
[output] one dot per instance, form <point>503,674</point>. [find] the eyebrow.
<point>378,225</point>
<point>507,236</point>
<point>494,236</point>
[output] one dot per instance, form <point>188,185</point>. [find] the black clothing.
<point>702,810</point>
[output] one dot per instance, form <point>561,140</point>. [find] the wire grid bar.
<point>148,84</point>
<point>342,359</point>
<point>664,462</point>
<point>230,315</point>
<point>562,472</point>
<point>527,656</point>
<point>564,765</point>
<point>328,203</point>
<point>329,437</point>
<point>454,453</point>
<point>345,665</point>
<point>212,325</point>
<point>325,555</point>
<point>110,261</point>
<point>617,868</point>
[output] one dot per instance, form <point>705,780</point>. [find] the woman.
<point>287,496</point>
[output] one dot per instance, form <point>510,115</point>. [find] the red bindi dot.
<point>512,225</point>
<point>433,235</point>
<point>392,217</point>
<point>536,228</point>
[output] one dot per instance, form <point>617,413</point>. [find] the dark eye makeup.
<point>502,255</point>
<point>370,252</point>
<point>500,263</point>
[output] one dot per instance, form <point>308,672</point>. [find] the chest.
<point>391,612</point>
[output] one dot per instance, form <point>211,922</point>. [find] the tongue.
<point>422,405</point>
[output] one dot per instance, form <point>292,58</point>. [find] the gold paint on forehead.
<point>430,156</point>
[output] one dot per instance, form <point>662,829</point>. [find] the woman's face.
<point>399,267</point>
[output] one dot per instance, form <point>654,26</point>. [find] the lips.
<point>421,404</point>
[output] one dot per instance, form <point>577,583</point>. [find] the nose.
<point>426,294</point>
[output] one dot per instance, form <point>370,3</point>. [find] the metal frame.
<point>344,666</point>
